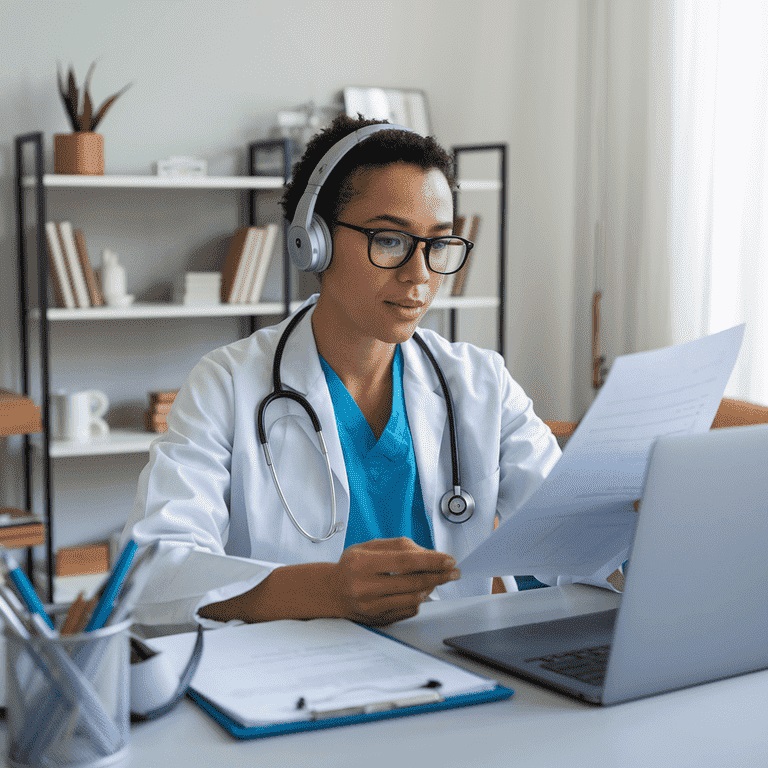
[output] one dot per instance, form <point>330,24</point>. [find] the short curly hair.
<point>378,150</point>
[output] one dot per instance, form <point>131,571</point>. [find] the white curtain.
<point>678,158</point>
<point>719,179</point>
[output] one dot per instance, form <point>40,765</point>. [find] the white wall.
<point>208,77</point>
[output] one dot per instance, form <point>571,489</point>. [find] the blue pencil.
<point>24,588</point>
<point>112,588</point>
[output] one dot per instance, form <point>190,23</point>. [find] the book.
<point>232,270</point>
<point>91,280</point>
<point>62,285</point>
<point>250,256</point>
<point>263,258</point>
<point>83,558</point>
<point>18,414</point>
<point>82,299</point>
<point>163,396</point>
<point>446,287</point>
<point>460,281</point>
<point>155,422</point>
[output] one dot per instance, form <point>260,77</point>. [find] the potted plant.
<point>81,152</point>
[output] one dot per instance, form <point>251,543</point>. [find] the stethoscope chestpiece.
<point>457,505</point>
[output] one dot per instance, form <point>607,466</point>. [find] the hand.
<point>386,580</point>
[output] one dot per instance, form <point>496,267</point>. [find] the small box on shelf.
<point>18,414</point>
<point>20,529</point>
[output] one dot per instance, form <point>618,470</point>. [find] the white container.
<point>113,282</point>
<point>79,416</point>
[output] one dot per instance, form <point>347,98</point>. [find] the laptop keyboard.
<point>587,664</point>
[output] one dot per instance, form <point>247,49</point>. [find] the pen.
<point>24,588</point>
<point>112,588</point>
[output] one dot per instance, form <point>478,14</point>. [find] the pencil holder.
<point>68,699</point>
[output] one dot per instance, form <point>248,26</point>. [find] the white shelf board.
<point>465,302</point>
<point>142,311</point>
<point>479,185</point>
<point>60,181</point>
<point>117,441</point>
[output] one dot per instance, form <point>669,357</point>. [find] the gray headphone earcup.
<point>310,249</point>
<point>325,244</point>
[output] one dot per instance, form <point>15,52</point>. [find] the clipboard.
<point>447,685</point>
<point>499,693</point>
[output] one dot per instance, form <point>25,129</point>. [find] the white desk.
<point>719,724</point>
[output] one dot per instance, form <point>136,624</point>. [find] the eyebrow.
<point>404,223</point>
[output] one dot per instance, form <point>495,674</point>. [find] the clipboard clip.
<point>427,697</point>
<point>428,694</point>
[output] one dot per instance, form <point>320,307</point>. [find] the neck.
<point>360,362</point>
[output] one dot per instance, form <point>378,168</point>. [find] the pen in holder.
<point>87,677</point>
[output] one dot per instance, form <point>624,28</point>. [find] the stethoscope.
<point>456,505</point>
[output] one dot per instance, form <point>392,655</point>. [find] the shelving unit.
<point>32,190</point>
<point>20,416</point>
<point>499,187</point>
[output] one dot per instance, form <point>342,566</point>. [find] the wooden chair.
<point>731,413</point>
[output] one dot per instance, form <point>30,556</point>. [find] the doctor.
<point>255,521</point>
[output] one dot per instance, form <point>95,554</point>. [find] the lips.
<point>407,304</point>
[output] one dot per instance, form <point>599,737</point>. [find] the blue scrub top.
<point>385,493</point>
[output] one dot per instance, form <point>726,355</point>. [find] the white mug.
<point>78,416</point>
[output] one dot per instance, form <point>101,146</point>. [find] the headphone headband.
<point>309,238</point>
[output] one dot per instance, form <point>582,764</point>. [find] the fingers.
<point>385,558</point>
<point>388,585</point>
<point>385,580</point>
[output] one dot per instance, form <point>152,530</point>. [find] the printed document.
<point>258,673</point>
<point>581,520</point>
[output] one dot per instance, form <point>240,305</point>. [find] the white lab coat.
<point>207,494</point>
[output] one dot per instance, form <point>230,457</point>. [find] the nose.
<point>415,270</point>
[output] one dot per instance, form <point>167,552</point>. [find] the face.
<point>387,304</point>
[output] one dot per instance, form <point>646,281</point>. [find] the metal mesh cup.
<point>68,699</point>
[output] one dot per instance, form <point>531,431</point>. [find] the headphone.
<point>309,237</point>
<point>310,248</point>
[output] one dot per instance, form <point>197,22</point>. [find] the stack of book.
<point>455,284</point>
<point>159,405</point>
<point>74,281</point>
<point>246,264</point>
<point>197,288</point>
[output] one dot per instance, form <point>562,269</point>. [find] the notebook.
<point>286,676</point>
<point>694,607</point>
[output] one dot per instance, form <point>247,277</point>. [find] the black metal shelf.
<point>501,150</point>
<point>31,182</point>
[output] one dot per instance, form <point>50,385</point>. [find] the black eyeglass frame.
<point>415,240</point>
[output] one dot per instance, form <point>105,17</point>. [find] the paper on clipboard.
<point>256,673</point>
<point>581,520</point>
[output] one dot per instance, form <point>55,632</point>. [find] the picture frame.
<point>403,106</point>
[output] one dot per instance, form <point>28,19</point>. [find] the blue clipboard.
<point>240,731</point>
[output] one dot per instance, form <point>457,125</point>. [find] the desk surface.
<point>719,724</point>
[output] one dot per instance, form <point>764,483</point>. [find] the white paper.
<point>581,519</point>
<point>257,672</point>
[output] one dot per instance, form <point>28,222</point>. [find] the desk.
<point>719,724</point>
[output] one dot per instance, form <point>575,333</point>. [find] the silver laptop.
<point>695,603</point>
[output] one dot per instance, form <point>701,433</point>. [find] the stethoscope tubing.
<point>280,392</point>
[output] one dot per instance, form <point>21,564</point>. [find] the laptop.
<point>695,602</point>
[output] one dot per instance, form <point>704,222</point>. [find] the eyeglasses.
<point>390,249</point>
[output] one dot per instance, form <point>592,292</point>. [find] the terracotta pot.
<point>78,153</point>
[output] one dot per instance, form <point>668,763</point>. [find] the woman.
<point>229,548</point>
